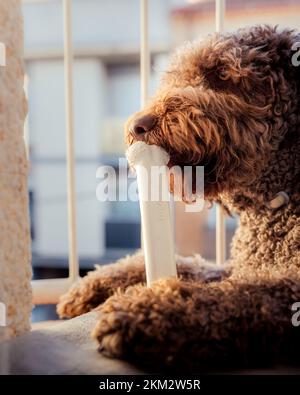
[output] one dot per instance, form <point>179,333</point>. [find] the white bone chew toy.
<point>157,233</point>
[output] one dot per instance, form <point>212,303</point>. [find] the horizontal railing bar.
<point>112,52</point>
<point>49,291</point>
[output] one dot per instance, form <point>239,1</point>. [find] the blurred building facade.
<point>107,90</point>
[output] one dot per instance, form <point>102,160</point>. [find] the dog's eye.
<point>223,74</point>
<point>198,139</point>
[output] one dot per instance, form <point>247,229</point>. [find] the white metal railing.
<point>48,291</point>
<point>145,53</point>
<point>68,60</point>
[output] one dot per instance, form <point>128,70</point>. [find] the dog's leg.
<point>100,284</point>
<point>187,324</point>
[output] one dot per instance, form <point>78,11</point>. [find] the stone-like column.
<point>15,257</point>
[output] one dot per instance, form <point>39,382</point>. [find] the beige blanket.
<point>63,348</point>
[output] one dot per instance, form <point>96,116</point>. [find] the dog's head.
<point>222,104</point>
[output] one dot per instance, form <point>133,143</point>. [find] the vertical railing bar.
<point>220,219</point>
<point>144,59</point>
<point>145,53</point>
<point>220,15</point>
<point>71,185</point>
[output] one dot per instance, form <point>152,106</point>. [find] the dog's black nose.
<point>143,125</point>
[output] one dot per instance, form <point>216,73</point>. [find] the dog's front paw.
<point>167,325</point>
<point>99,284</point>
<point>183,324</point>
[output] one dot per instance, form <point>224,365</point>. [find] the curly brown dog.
<point>230,103</point>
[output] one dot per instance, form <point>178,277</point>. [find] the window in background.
<point>122,225</point>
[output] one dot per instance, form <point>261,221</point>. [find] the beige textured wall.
<point>15,267</point>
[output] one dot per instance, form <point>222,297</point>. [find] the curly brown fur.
<point>226,103</point>
<point>91,291</point>
<point>187,324</point>
<point>230,103</point>
<point>100,284</point>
